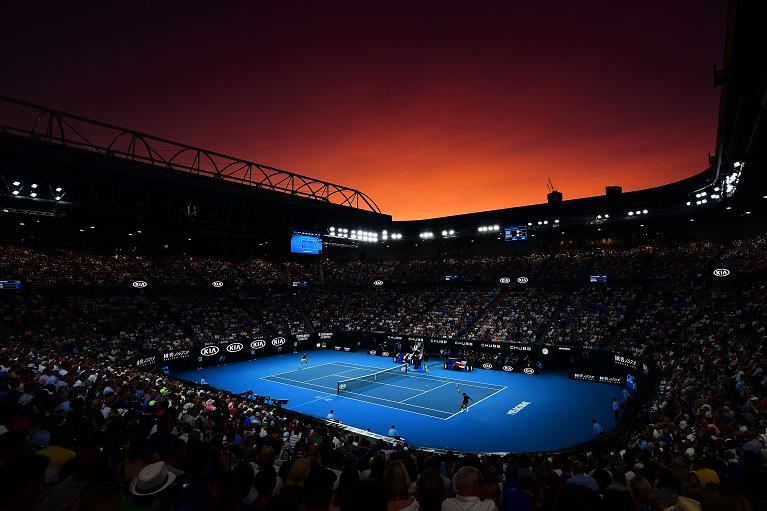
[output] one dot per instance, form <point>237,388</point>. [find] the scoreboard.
<point>515,233</point>
<point>10,284</point>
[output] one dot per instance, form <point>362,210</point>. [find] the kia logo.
<point>217,283</point>
<point>721,272</point>
<point>528,370</point>
<point>378,283</point>
<point>257,345</point>
<point>508,368</point>
<point>504,280</point>
<point>372,352</point>
<point>385,354</point>
<point>209,351</point>
<point>522,280</point>
<point>234,347</point>
<point>278,341</point>
<point>138,284</point>
<point>487,365</point>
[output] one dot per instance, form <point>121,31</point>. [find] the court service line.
<point>300,370</point>
<point>425,391</point>
<point>331,374</point>
<point>431,376</point>
<point>353,378</point>
<point>478,402</point>
<point>370,402</point>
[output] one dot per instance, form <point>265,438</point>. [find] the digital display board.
<point>598,278</point>
<point>10,284</point>
<point>515,233</point>
<point>305,243</point>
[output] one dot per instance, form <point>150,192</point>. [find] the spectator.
<point>468,489</point>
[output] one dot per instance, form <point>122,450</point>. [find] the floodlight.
<point>58,189</point>
<point>33,195</point>
<point>631,213</point>
<point>451,232</point>
<point>607,216</point>
<point>15,192</point>
<point>495,227</point>
<point>332,229</point>
<point>16,183</point>
<point>644,211</point>
<point>58,197</point>
<point>546,222</point>
<point>34,185</point>
<point>556,221</point>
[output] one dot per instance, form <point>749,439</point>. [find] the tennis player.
<point>304,360</point>
<point>405,366</point>
<point>465,404</point>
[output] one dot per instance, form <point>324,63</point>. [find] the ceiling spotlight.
<point>728,207</point>
<point>451,232</point>
<point>607,216</point>
<point>556,221</point>
<point>644,211</point>
<point>93,226</point>
<point>58,197</point>
<point>631,213</point>
<point>688,203</point>
<point>546,222</point>
<point>16,183</point>
<point>495,227</point>
<point>599,217</point>
<point>530,223</point>
<point>748,212</point>
<point>34,185</point>
<point>33,195</point>
<point>58,189</point>
<point>15,192</point>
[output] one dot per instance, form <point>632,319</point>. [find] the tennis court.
<point>415,392</point>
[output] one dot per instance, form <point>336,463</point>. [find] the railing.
<point>50,126</point>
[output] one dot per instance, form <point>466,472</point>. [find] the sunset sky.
<point>431,108</point>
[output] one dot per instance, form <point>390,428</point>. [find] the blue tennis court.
<point>510,411</point>
<point>420,393</point>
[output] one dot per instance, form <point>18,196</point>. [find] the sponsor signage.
<point>625,361</point>
<point>528,370</point>
<point>521,406</point>
<point>523,280</point>
<point>278,341</point>
<point>146,361</point>
<point>464,343</point>
<point>217,283</point>
<point>175,355</point>
<point>140,284</point>
<point>234,347</point>
<point>378,283</point>
<point>504,280</point>
<point>508,369</point>
<point>373,352</point>
<point>384,353</point>
<point>721,272</point>
<point>596,378</point>
<point>487,365</point>
<point>258,344</point>
<point>325,335</point>
<point>491,345</point>
<point>545,351</point>
<point>209,351</point>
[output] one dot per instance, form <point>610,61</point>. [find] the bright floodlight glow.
<point>546,222</point>
<point>451,232</point>
<point>16,183</point>
<point>34,185</point>
<point>737,164</point>
<point>529,223</point>
<point>539,222</point>
<point>599,217</point>
<point>58,197</point>
<point>495,227</point>
<point>716,189</point>
<point>644,211</point>
<point>748,212</point>
<point>607,216</point>
<point>33,195</point>
<point>688,203</point>
<point>631,213</point>
<point>730,207</point>
<point>556,221</point>
<point>332,228</point>
<point>444,233</point>
<point>58,189</point>
<point>15,192</point>
<point>638,212</point>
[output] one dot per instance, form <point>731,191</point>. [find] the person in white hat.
<point>151,482</point>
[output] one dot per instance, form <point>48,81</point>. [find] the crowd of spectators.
<point>80,429</point>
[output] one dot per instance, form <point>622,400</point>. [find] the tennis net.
<point>377,377</point>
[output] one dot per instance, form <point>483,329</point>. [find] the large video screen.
<point>305,243</point>
<point>515,233</point>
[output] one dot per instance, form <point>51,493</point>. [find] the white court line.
<point>370,382</point>
<point>478,402</point>
<point>425,391</point>
<point>431,376</point>
<point>301,370</point>
<point>331,374</point>
<point>368,402</point>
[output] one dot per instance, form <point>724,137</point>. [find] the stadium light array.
<point>34,185</point>
<point>426,235</point>
<point>58,189</point>
<point>488,228</point>
<point>33,195</point>
<point>15,192</point>
<point>16,183</point>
